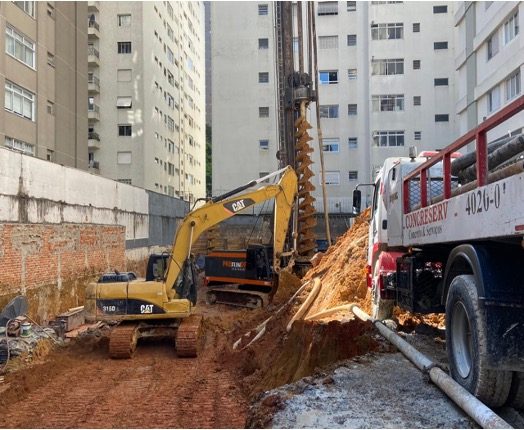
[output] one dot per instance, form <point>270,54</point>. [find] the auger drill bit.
<point>306,210</point>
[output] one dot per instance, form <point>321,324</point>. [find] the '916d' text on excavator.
<point>162,304</point>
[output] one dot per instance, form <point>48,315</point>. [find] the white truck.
<point>446,235</point>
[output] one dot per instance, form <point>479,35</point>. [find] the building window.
<point>493,45</point>
<point>513,85</point>
<point>388,138</point>
<point>170,32</point>
<point>388,67</point>
<point>440,9</point>
<point>123,75</point>
<point>332,177</point>
<point>328,111</point>
<point>124,181</point>
<point>439,82</point>
<point>124,47</point>
<point>352,142</point>
<point>123,157</point>
<point>263,77</point>
<point>170,56</point>
<point>327,8</point>
<point>328,77</point>
<point>263,144</point>
<point>263,43</point>
<point>353,175</point>
<point>388,103</point>
<point>327,42</point>
<point>387,31</point>
<point>295,44</point>
<point>417,135</point>
<point>50,108</point>
<point>50,59</point>
<point>19,46</point>
<point>19,145</point>
<point>441,118</point>
<point>330,144</point>
<point>263,9</point>
<point>50,10</point>
<point>27,6</point>
<point>511,28</point>
<point>494,99</point>
<point>352,74</point>
<point>352,39</point>
<point>170,10</point>
<point>416,64</point>
<point>123,102</point>
<point>416,27</point>
<point>352,109</point>
<point>124,130</point>
<point>263,112</point>
<point>124,20</point>
<point>19,101</point>
<point>417,100</point>
<point>170,123</point>
<point>351,6</point>
<point>440,45</point>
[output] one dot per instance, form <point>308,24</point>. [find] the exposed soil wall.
<point>52,263</point>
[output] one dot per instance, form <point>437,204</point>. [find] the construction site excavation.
<point>214,241</point>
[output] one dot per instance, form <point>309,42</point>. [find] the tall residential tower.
<point>147,95</point>
<point>386,71</point>
<point>43,73</point>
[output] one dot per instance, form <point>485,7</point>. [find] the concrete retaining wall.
<point>61,227</point>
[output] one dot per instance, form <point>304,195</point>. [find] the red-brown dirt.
<point>80,387</point>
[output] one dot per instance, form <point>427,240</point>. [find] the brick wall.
<point>52,263</point>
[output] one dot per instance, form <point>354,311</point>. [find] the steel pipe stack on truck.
<point>440,242</point>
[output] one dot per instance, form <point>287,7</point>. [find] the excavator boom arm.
<point>216,211</point>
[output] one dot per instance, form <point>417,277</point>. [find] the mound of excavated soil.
<point>342,270</point>
<point>279,357</point>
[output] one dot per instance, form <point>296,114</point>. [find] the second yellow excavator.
<point>162,304</point>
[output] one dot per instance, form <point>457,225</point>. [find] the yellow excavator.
<point>162,304</point>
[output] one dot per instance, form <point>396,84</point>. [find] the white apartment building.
<point>489,59</point>
<point>146,102</point>
<point>386,73</point>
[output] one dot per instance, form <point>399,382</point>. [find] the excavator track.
<point>189,336</point>
<point>123,340</point>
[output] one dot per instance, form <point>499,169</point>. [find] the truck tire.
<point>381,309</point>
<point>516,392</point>
<point>466,340</point>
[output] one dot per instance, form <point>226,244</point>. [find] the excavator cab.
<point>186,285</point>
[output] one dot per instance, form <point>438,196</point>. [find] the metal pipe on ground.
<point>477,410</point>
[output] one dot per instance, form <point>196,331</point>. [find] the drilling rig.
<point>296,91</point>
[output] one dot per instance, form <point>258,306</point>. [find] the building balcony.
<point>93,84</point>
<point>93,6</point>
<point>93,30</point>
<point>93,140</point>
<point>93,56</point>
<point>93,112</point>
<point>94,167</point>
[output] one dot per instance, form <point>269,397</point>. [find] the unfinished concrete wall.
<point>51,264</point>
<point>37,191</point>
<point>60,227</point>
